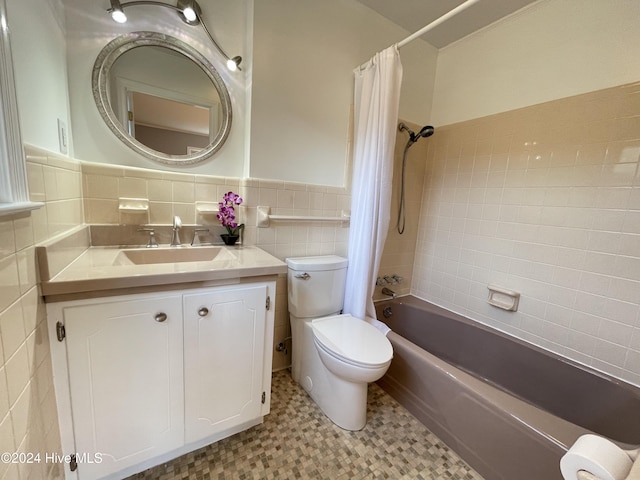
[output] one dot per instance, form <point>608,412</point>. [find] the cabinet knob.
<point>203,312</point>
<point>161,317</point>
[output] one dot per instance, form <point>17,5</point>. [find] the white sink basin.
<point>147,256</point>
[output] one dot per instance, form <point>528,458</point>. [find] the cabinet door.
<point>223,358</point>
<point>126,379</point>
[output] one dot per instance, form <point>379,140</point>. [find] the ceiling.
<point>412,15</point>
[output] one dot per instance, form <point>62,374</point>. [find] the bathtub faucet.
<point>388,291</point>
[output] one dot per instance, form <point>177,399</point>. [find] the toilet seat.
<point>352,340</point>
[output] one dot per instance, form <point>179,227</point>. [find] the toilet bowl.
<point>334,356</point>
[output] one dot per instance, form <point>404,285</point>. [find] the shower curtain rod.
<point>437,22</point>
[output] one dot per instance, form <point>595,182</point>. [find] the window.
<point>14,191</point>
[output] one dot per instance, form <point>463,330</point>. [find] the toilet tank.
<point>316,285</point>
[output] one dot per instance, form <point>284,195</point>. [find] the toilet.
<point>334,356</point>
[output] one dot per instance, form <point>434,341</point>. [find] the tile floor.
<point>296,441</point>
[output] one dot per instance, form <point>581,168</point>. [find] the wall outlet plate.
<point>63,137</point>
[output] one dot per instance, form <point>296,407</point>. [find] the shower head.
<point>425,132</point>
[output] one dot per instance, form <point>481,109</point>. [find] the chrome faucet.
<point>388,291</point>
<point>175,236</point>
<point>152,243</point>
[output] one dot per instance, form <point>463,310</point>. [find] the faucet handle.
<point>196,231</point>
<point>152,243</point>
<point>177,222</point>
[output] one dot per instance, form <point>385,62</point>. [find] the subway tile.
<point>631,222</point>
<point>40,224</point>
<point>101,186</point>
<point>621,311</point>
<point>33,310</point>
<point>301,199</point>
<point>35,177</point>
<point>7,238</point>
<point>132,187</point>
<point>609,353</point>
<point>268,197</point>
<point>632,364</point>
<point>4,396</point>
<point>582,343</point>
<point>592,154</point>
<point>614,332</point>
<point>623,152</point>
<point>27,272</point>
<point>9,281</point>
<point>605,242</point>
<point>20,412</point>
<point>50,183</point>
<point>161,190</point>
<point>186,212</point>
<point>618,175</point>
<point>23,231</point>
<point>12,330</point>
<point>18,372</point>
<point>183,192</point>
<point>101,211</point>
<point>7,444</point>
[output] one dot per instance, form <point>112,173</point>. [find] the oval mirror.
<point>162,98</point>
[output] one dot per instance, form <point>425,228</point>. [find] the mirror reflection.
<point>162,98</point>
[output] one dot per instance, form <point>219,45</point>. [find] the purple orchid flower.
<point>227,213</point>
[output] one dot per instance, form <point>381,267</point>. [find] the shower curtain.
<point>376,99</point>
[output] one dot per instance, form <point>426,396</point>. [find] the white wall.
<point>40,60</point>
<point>551,50</point>
<point>305,52</point>
<point>297,129</point>
<point>90,28</point>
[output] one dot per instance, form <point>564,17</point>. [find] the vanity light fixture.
<point>116,12</point>
<point>189,12</point>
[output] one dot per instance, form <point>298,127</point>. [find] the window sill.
<point>14,208</point>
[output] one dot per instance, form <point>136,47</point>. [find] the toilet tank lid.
<point>316,264</point>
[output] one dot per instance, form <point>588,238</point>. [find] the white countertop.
<point>97,269</point>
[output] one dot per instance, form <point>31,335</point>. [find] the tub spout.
<point>388,291</point>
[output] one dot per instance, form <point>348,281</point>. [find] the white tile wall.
<point>28,418</point>
<point>544,200</point>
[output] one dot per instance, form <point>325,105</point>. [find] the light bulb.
<point>190,14</point>
<point>118,16</point>
<point>231,65</point>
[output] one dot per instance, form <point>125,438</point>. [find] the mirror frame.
<point>99,83</point>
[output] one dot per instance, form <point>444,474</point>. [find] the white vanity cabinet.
<point>143,378</point>
<point>125,378</point>
<point>224,332</point>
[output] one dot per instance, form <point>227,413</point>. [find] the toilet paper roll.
<point>598,456</point>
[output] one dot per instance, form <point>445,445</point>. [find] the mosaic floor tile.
<point>297,441</point>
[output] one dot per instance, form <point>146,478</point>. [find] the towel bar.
<point>264,217</point>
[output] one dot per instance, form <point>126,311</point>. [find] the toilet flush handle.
<point>303,276</point>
